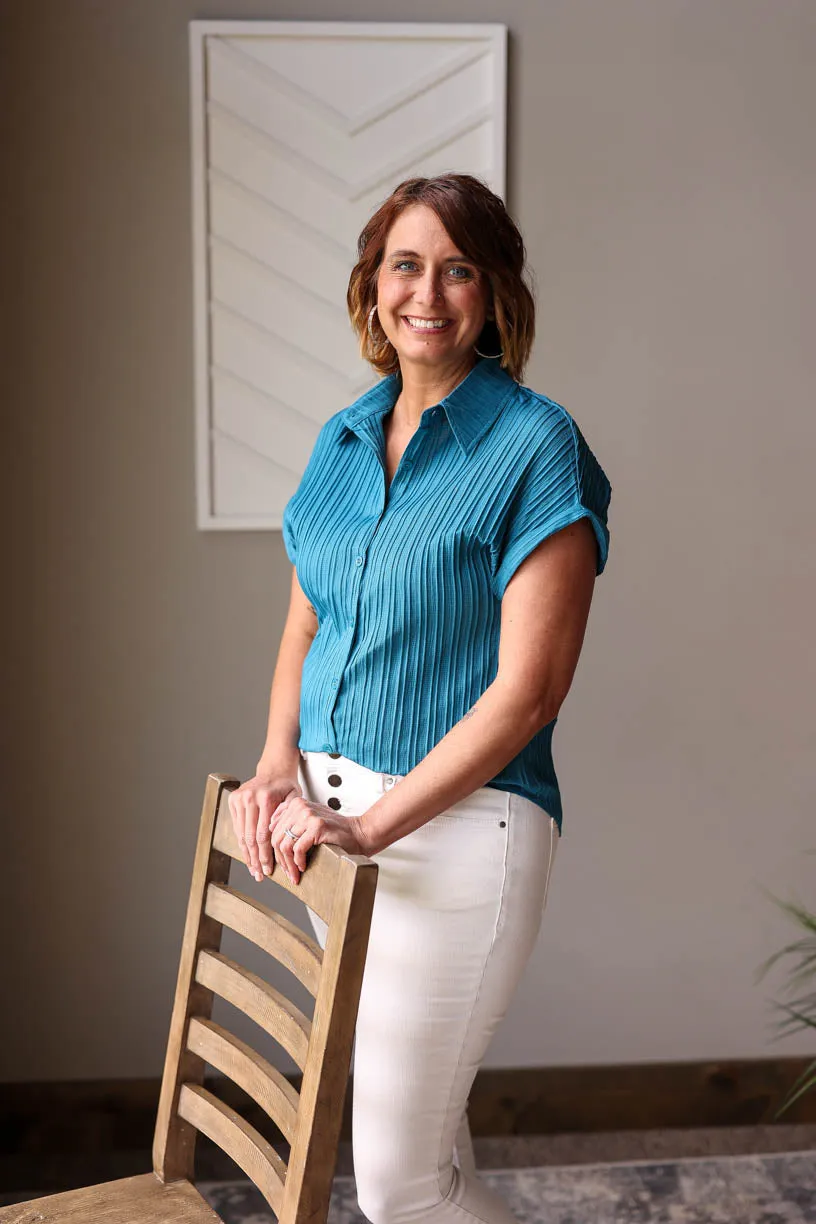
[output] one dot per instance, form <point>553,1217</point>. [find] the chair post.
<point>313,1155</point>
<point>174,1139</point>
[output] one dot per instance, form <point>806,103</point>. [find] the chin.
<point>421,354</point>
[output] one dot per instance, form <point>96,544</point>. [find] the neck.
<point>423,386</point>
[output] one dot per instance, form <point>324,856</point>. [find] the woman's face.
<point>431,301</point>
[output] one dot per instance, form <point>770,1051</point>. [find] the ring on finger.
<point>289,833</point>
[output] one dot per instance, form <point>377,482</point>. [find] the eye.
<point>401,264</point>
<point>460,272</point>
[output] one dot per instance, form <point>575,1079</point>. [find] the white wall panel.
<point>300,130</point>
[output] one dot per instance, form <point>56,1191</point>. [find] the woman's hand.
<point>252,806</point>
<point>314,823</point>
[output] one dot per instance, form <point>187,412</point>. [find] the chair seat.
<point>131,1200</point>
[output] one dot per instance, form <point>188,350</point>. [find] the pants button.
<point>334,803</point>
<point>334,779</point>
<point>335,756</point>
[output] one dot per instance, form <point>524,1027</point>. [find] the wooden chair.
<point>340,888</point>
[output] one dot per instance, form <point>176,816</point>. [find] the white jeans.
<point>458,906</point>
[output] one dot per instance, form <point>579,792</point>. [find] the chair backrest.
<point>340,888</point>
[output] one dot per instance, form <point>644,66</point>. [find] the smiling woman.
<point>445,540</point>
<point>429,240</point>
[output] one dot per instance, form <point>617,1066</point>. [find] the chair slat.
<point>237,1138</point>
<point>269,930</point>
<point>281,1018</point>
<point>264,1083</point>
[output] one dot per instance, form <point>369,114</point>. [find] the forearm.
<point>475,749</point>
<point>280,752</point>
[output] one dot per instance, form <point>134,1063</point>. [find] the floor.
<point>723,1175</point>
<point>775,1189</point>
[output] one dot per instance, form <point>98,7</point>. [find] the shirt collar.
<point>471,407</point>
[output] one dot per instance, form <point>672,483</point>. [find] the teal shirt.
<point>408,587</point>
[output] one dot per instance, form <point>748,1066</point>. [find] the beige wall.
<point>661,167</point>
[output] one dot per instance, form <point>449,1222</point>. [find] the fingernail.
<point>259,876</point>
<point>267,870</point>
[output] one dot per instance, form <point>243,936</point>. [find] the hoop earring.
<point>370,317</point>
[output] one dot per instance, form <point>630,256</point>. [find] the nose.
<point>429,290</point>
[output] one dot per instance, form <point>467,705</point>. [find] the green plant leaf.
<point>800,1013</point>
<point>804,1083</point>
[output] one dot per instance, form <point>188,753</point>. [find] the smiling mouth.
<point>426,326</point>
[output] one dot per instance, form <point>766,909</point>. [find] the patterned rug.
<point>774,1189</point>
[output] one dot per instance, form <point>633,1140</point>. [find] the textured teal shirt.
<point>407,586</point>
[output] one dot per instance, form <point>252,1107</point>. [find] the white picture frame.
<point>276,217</point>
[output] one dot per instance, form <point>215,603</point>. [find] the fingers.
<point>290,853</point>
<point>262,833</point>
<point>302,846</point>
<point>250,835</point>
<point>254,808</point>
<point>236,807</point>
<point>259,822</point>
<point>281,840</point>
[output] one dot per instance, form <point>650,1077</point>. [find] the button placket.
<point>357,577</point>
<point>358,571</point>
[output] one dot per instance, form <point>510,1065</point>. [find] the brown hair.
<point>478,222</point>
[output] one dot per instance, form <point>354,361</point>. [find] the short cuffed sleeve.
<point>563,483</point>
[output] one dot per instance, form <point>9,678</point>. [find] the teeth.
<point>427,324</point>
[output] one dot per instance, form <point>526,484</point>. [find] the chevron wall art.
<point>300,129</point>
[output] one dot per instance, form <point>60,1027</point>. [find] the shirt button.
<point>358,560</point>
<point>334,682</point>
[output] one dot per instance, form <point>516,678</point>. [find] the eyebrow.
<point>416,255</point>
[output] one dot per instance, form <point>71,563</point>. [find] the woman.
<point>446,536</point>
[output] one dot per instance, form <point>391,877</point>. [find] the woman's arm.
<point>543,620</point>
<point>276,775</point>
<point>280,752</point>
